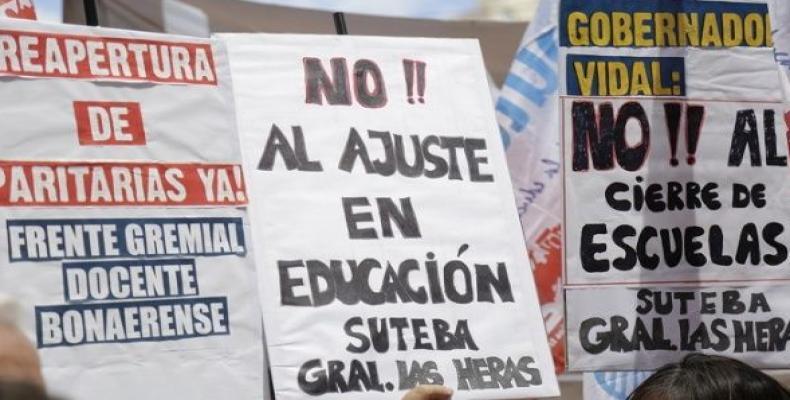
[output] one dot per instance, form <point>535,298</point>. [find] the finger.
<point>429,392</point>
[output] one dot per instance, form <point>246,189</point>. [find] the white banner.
<point>390,250</point>
<point>124,230</point>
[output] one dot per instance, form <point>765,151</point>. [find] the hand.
<point>429,392</point>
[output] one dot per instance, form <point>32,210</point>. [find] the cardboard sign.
<point>122,201</point>
<point>675,165</point>
<point>389,244</point>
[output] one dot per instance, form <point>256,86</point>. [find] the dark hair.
<point>704,377</point>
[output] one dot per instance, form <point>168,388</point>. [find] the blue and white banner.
<point>527,114</point>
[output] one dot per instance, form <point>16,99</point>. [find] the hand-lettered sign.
<point>675,166</point>
<point>390,253</point>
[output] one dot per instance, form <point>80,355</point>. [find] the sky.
<point>51,10</point>
<point>442,9</point>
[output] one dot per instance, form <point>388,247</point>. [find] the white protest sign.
<point>124,230</point>
<point>675,165</point>
<point>389,248</point>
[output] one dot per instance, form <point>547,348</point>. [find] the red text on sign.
<point>52,183</point>
<point>45,54</point>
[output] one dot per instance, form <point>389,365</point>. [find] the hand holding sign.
<point>429,392</point>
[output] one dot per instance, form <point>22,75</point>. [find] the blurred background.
<point>498,24</point>
<point>505,10</point>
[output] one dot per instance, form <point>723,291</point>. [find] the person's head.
<point>703,377</point>
<point>19,361</point>
<point>14,390</point>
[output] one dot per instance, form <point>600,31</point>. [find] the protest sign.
<point>675,160</point>
<point>22,9</point>
<point>124,228</point>
<point>390,251</point>
<point>526,110</point>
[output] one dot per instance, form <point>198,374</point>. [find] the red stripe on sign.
<point>107,123</point>
<point>28,183</point>
<point>44,54</point>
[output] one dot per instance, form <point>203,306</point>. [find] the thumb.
<point>429,392</point>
